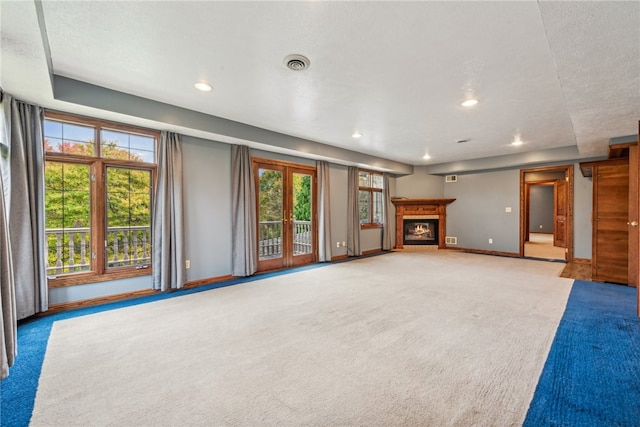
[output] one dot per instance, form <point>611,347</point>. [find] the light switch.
<point>507,209</point>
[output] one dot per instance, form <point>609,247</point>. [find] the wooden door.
<point>634,252</point>
<point>610,229</point>
<point>560,214</point>
<point>287,225</point>
<point>634,187</point>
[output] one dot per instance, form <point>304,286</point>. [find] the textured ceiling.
<point>556,74</point>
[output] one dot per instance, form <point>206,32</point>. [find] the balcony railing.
<point>69,249</point>
<point>270,238</point>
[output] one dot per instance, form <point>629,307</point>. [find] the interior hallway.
<point>540,245</point>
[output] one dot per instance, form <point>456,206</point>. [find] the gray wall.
<point>338,206</point>
<point>478,214</point>
<point>541,209</point>
<point>94,290</point>
<point>582,205</point>
<point>419,185</point>
<point>207,201</point>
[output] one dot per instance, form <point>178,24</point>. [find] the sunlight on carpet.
<point>438,338</point>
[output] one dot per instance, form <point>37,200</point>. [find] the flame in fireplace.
<point>421,231</point>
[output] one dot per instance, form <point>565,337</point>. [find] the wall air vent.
<point>451,240</point>
<point>451,178</point>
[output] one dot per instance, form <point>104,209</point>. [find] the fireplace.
<point>420,232</point>
<point>421,223</point>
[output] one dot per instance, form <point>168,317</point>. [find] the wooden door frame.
<point>287,167</point>
<point>524,204</point>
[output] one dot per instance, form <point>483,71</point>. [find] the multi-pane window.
<point>98,198</point>
<point>370,198</point>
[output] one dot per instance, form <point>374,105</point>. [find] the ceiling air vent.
<point>297,62</point>
<point>451,178</point>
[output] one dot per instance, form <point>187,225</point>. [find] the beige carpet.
<point>540,245</point>
<point>432,339</point>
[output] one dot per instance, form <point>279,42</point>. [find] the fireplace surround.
<point>431,214</point>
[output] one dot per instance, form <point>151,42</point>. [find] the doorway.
<point>546,214</point>
<point>286,210</point>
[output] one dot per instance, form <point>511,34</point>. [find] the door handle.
<point>633,223</point>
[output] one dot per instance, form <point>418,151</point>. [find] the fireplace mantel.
<point>428,208</point>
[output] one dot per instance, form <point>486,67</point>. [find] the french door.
<point>286,205</point>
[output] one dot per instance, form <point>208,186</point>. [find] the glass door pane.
<point>270,214</point>
<point>302,213</point>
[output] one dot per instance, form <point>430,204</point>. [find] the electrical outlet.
<point>344,244</point>
<point>187,264</point>
<point>337,244</point>
<point>491,241</point>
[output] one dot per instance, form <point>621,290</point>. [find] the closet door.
<point>610,217</point>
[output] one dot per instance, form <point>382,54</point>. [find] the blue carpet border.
<point>592,373</point>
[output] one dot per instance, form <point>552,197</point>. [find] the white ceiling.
<point>557,74</point>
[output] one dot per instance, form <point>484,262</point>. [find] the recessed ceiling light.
<point>469,103</point>
<point>426,157</point>
<point>205,87</point>
<point>356,135</point>
<point>517,142</point>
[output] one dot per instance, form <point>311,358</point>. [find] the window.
<point>98,197</point>
<point>370,198</point>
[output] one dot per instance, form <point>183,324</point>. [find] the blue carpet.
<point>592,373</point>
